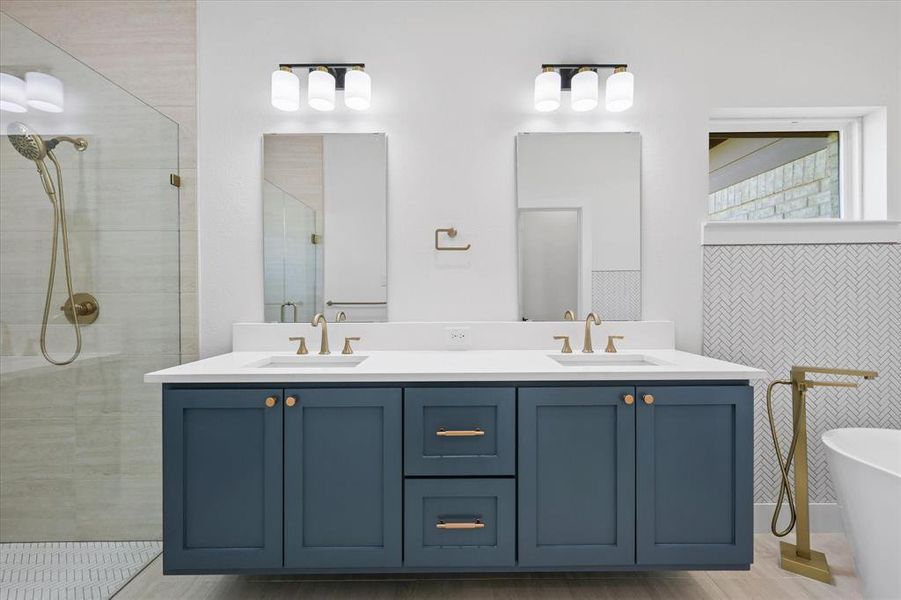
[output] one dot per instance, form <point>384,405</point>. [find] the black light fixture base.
<point>567,71</point>
<point>338,70</point>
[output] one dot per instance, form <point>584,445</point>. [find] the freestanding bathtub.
<point>866,468</point>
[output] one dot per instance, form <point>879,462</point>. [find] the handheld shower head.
<point>26,142</point>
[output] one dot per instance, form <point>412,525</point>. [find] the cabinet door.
<point>576,476</point>
<point>694,475</point>
<point>222,479</point>
<point>343,478</point>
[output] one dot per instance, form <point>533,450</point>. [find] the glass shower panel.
<point>80,443</point>
<point>300,256</point>
<point>273,251</point>
<point>290,256</point>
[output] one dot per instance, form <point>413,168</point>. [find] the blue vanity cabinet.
<point>222,485</point>
<point>343,478</point>
<point>576,476</point>
<point>694,475</point>
<point>459,431</point>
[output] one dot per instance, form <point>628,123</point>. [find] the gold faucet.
<point>317,319</point>
<point>567,349</point>
<point>569,316</point>
<point>591,318</point>
<point>611,344</point>
<point>347,347</point>
<point>302,347</point>
<point>799,557</point>
<point>340,317</point>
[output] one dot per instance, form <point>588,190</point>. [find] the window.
<point>774,175</point>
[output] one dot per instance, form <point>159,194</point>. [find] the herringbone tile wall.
<point>616,295</point>
<point>831,305</point>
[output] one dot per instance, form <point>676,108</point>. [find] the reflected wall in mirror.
<point>579,223</point>
<point>325,226</point>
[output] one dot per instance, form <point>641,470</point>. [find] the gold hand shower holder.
<point>799,557</point>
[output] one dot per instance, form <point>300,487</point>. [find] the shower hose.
<point>785,490</point>
<point>59,223</point>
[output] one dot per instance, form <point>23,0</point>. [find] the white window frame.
<point>863,177</point>
<point>850,161</point>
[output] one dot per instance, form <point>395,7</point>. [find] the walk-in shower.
<point>33,147</point>
<point>90,281</point>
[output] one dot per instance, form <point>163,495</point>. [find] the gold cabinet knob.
<point>648,399</point>
<point>290,401</point>
<point>629,399</point>
<point>270,401</point>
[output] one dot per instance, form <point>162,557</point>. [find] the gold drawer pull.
<point>459,432</point>
<point>648,399</point>
<point>270,401</point>
<point>290,401</point>
<point>628,398</point>
<point>473,525</point>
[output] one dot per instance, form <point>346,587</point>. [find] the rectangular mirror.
<point>325,242</point>
<point>579,223</point>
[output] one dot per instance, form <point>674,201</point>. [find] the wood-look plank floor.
<point>765,581</point>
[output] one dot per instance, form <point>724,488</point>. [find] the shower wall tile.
<point>186,117</point>
<point>38,510</point>
<point>137,324</point>
<point>40,448</point>
<point>112,506</point>
<point>188,258</point>
<point>20,398</point>
<point>117,444</point>
<point>189,324</point>
<point>96,199</point>
<point>114,38</point>
<point>187,200</point>
<point>104,261</point>
<point>827,305</point>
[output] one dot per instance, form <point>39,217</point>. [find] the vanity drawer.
<point>459,522</point>
<point>459,431</point>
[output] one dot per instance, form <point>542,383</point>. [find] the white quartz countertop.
<point>447,365</point>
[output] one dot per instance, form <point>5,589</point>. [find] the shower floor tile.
<point>70,570</point>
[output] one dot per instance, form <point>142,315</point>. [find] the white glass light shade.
<point>620,91</point>
<point>44,92</point>
<point>321,90</point>
<point>357,89</point>
<point>547,91</point>
<point>584,86</point>
<point>12,93</point>
<point>285,90</point>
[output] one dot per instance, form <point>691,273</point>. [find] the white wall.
<point>452,85</point>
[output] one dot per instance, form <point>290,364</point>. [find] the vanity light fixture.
<point>12,93</point>
<point>582,82</point>
<point>321,89</point>
<point>620,90</point>
<point>285,89</point>
<point>547,90</point>
<point>584,90</point>
<point>357,89</point>
<point>323,81</point>
<point>44,92</point>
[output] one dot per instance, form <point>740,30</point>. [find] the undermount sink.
<point>606,360</point>
<point>308,361</point>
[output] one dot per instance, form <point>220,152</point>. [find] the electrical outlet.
<point>458,337</point>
